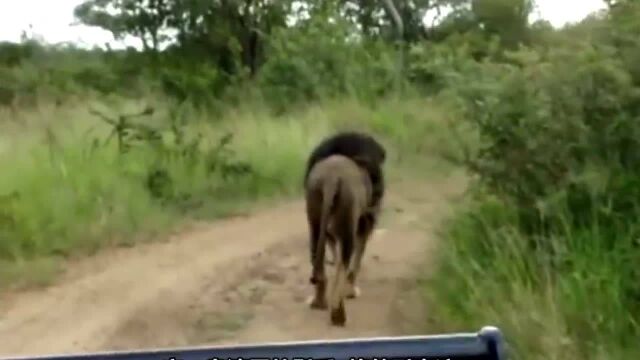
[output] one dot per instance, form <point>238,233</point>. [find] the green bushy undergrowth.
<point>547,248</point>
<point>576,309</point>
<point>74,192</point>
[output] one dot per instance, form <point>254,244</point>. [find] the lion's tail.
<point>333,192</point>
<point>330,192</point>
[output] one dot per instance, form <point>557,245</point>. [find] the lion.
<point>369,154</point>
<point>338,194</point>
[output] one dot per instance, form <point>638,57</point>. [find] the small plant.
<point>191,152</point>
<point>126,132</point>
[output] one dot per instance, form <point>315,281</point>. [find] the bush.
<point>563,122</point>
<point>548,248</point>
<point>317,60</point>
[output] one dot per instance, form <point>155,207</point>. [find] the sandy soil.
<point>238,280</point>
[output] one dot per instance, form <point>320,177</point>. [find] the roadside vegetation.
<point>107,147</point>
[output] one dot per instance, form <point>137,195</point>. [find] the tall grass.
<point>66,192</point>
<point>573,310</point>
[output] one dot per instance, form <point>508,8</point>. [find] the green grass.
<point>488,275</point>
<point>62,196</point>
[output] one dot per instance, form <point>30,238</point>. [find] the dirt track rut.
<point>238,280</point>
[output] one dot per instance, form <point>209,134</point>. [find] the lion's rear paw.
<point>338,317</point>
<point>317,303</point>
<point>353,292</point>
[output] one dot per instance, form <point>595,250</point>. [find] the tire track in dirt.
<point>238,280</point>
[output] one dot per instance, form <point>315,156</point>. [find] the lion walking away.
<point>337,195</point>
<point>344,187</point>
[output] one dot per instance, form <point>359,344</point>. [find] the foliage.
<point>201,51</point>
<point>216,160</point>
<point>316,60</point>
<point>552,229</point>
<point>112,194</point>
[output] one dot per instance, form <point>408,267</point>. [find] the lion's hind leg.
<point>366,225</point>
<point>345,232</point>
<point>336,304</point>
<point>318,276</point>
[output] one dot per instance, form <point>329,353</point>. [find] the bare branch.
<point>395,15</point>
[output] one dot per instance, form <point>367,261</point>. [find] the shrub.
<point>548,249</point>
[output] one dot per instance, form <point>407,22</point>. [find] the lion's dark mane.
<point>360,147</point>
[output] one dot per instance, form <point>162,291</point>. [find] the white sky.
<point>52,19</point>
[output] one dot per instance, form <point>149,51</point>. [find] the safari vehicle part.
<point>487,344</point>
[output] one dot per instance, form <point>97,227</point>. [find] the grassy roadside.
<point>573,302</point>
<point>488,276</point>
<point>66,193</point>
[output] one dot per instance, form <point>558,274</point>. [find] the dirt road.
<point>237,280</point>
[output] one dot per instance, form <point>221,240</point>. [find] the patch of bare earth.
<point>239,280</point>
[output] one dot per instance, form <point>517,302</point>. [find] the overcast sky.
<point>52,19</point>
